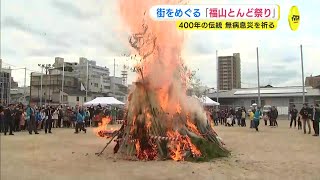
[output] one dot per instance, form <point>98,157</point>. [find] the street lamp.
<point>46,67</point>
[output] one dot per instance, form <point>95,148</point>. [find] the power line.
<point>19,67</point>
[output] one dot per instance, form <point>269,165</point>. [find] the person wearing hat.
<point>304,112</point>
<point>8,120</point>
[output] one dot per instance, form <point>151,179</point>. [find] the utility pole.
<point>25,85</point>
<point>217,60</point>
<point>62,84</point>
<point>41,86</point>
<point>30,88</point>
<point>302,72</point>
<point>49,87</point>
<point>1,80</point>
<point>87,79</point>
<point>9,87</point>
<point>46,67</point>
<point>41,82</point>
<point>259,99</point>
<point>114,78</point>
<point>114,67</point>
<point>46,96</point>
<point>2,91</point>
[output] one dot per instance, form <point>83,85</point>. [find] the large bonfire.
<point>161,122</point>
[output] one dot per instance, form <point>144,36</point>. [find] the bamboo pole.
<point>156,132</point>
<point>113,136</point>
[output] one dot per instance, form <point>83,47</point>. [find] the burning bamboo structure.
<point>161,121</point>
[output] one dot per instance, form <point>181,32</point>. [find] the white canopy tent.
<point>103,101</point>
<point>206,101</point>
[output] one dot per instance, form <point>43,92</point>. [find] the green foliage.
<point>208,149</point>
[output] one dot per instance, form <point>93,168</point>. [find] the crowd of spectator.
<point>31,118</point>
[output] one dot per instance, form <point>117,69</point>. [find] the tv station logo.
<point>294,18</point>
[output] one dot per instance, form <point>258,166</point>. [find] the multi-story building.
<point>5,85</point>
<point>14,84</point>
<point>20,95</point>
<point>229,72</point>
<point>119,90</point>
<point>52,86</point>
<point>313,81</point>
<point>78,77</point>
<point>60,64</point>
<point>97,76</point>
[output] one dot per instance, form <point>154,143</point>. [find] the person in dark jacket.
<point>316,119</point>
<point>60,116</point>
<point>8,120</point>
<point>91,112</point>
<point>48,124</point>
<point>17,117</point>
<point>214,117</point>
<point>293,114</point>
<point>273,116</point>
<point>1,119</point>
<point>305,115</point>
<point>222,117</point>
<point>299,122</point>
<point>276,118</point>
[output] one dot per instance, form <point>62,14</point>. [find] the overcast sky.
<point>36,31</point>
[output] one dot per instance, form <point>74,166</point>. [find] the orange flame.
<point>132,129</point>
<point>138,149</point>
<point>178,148</point>
<point>149,153</point>
<point>192,127</point>
<point>195,151</point>
<point>102,127</point>
<point>160,74</point>
<point>175,146</point>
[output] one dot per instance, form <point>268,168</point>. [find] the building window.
<point>85,99</point>
<point>78,98</point>
<point>96,84</point>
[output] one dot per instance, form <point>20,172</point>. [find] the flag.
<point>82,87</point>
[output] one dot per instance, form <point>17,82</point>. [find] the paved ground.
<point>273,153</point>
